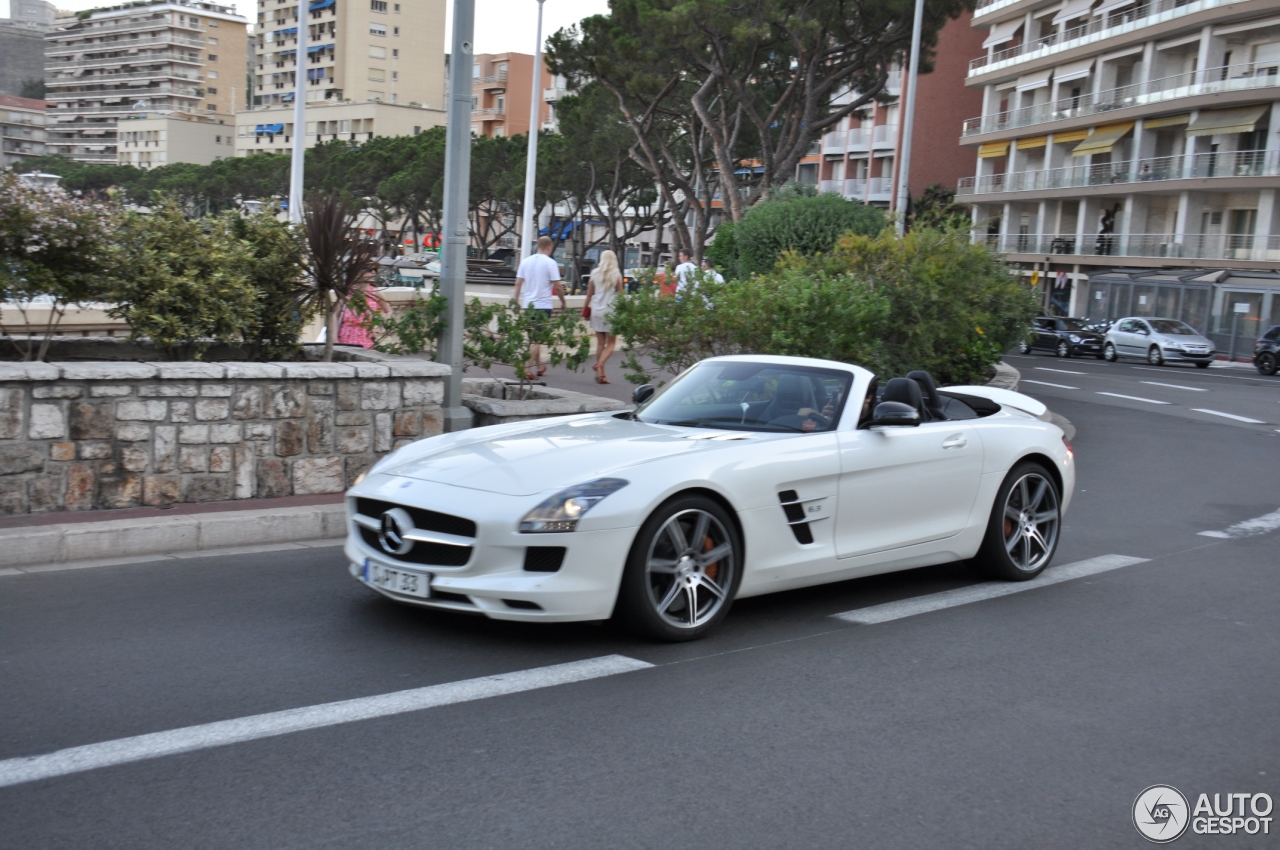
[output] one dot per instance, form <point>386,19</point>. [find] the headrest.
<point>906,391</point>
<point>929,390</point>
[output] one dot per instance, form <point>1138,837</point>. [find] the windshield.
<point>1074,324</point>
<point>1171,326</point>
<point>751,397</point>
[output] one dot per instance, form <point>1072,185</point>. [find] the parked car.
<point>1065,337</point>
<point>1157,341</point>
<point>1266,351</point>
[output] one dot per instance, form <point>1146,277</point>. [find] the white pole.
<point>299,115</point>
<point>531,165</point>
<point>908,120</point>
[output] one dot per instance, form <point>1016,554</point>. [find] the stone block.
<point>382,432</point>
<point>210,409</point>
<point>407,423</point>
<point>123,491</point>
<point>249,402</point>
<point>220,459</point>
<point>81,482</point>
<point>19,458</point>
<point>193,459</point>
<point>94,451</point>
<point>134,459</point>
<point>355,465</point>
<point>102,370</point>
<point>320,407</point>
<point>432,421</point>
<point>193,435</point>
<point>371,370</point>
<point>180,411</point>
<point>29,372</point>
<point>379,395</point>
<point>352,418</point>
<point>318,370</point>
<point>57,391</point>
<point>161,490</point>
<point>249,371</point>
<point>215,390</point>
<point>401,442</point>
<point>290,438</point>
<point>164,447</point>
<point>319,435</point>
<point>110,390</point>
<point>141,411</point>
<point>10,413</point>
<point>92,421</point>
<point>186,371</point>
<point>423,392</point>
<point>48,422</point>
<point>319,388</point>
<point>273,479</point>
<point>313,475</point>
<point>167,390</point>
<point>348,395</point>
<point>62,451</point>
<point>207,488</point>
<point>353,440</point>
<point>417,369</point>
<point>257,431</point>
<point>286,403</point>
<point>245,464</point>
<point>44,494</point>
<point>228,432</point>
<point>133,432</point>
<point>13,496</point>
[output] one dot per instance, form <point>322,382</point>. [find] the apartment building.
<point>150,140</point>
<point>357,51</point>
<point>1132,135</point>
<point>21,129</point>
<point>501,84</point>
<point>270,129</point>
<point>22,46</point>
<point>184,56</point>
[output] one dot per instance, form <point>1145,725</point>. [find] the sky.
<point>501,25</point>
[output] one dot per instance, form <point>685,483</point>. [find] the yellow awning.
<point>1033,142</point>
<point>1102,139</point>
<point>1070,136</point>
<point>992,150</point>
<point>1216,122</point>
<point>1171,121</point>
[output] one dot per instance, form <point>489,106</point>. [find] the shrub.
<point>275,273</point>
<point>806,225</point>
<point>414,329</point>
<point>504,334</point>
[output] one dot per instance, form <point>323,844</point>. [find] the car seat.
<point>793,393</point>
<point>907,392</point>
<point>928,389</point>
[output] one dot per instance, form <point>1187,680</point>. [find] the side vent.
<point>795,516</point>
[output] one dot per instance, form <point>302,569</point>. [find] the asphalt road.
<point>1030,720</point>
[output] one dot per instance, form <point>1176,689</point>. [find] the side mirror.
<point>895,413</point>
<point>643,394</point>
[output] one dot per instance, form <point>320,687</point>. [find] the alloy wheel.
<point>1267,363</point>
<point>689,568</point>
<point>1109,353</point>
<point>1064,350</point>
<point>1031,520</point>
<point>1154,357</point>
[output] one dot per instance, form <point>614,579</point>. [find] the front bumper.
<point>1177,356</point>
<point>1087,348</point>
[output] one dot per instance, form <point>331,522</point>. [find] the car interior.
<point>919,390</point>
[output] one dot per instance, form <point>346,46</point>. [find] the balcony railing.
<point>855,187</point>
<point>859,139</point>
<point>834,142</point>
<point>986,7</point>
<point>880,187</point>
<point>1195,246</point>
<point>490,110</point>
<point>1256,163</point>
<point>1210,81</point>
<point>1122,21</point>
<point>554,94</point>
<point>128,25</point>
<point>884,135</point>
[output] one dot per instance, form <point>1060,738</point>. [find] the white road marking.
<point>1229,416</point>
<point>1248,528</point>
<point>1063,371</point>
<point>1135,398</point>
<point>988,590</point>
<point>1047,384</point>
<point>77,759</point>
<point>1176,386</point>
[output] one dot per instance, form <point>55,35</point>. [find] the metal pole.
<point>299,116</point>
<point>1235,327</point>
<point>457,189</point>
<point>531,162</point>
<point>908,121</point>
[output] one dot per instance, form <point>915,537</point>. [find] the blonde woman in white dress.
<point>602,288</point>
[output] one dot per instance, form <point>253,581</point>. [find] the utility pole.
<point>457,189</point>
<point>299,116</point>
<point>531,161</point>
<point>908,121</point>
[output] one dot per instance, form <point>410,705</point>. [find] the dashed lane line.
<point>1248,528</point>
<point>1135,398</point>
<point>1047,384</point>
<point>1176,386</point>
<point>191,738</point>
<point>1229,416</point>
<point>1063,371</point>
<point>980,592</point>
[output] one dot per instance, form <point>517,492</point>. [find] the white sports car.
<point>745,475</point>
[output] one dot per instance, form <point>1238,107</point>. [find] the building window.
<point>375,95</point>
<point>213,57</point>
<point>395,53</point>
<point>213,23</point>
<point>397,8</point>
<point>377,75</point>
<point>377,53</point>
<point>212,90</point>
<point>395,31</point>
<point>213,107</point>
<point>213,75</point>
<point>378,6</point>
<point>395,75</point>
<point>213,41</point>
<point>475,71</point>
<point>217,140</point>
<point>379,30</point>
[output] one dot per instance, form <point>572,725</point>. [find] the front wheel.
<point>1064,350</point>
<point>683,571</point>
<point>1154,357</point>
<point>1109,353</point>
<point>1023,348</point>
<point>1266,363</point>
<point>1022,532</point>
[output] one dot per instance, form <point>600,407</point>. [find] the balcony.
<point>855,187</point>
<point>132,25</point>
<point>1227,78</point>
<point>1123,21</point>
<point>884,136</point>
<point>1256,163</point>
<point>1190,246</point>
<point>880,189</point>
<point>834,142</point>
<point>859,140</point>
<point>492,111</point>
<point>986,7</point>
<point>554,94</point>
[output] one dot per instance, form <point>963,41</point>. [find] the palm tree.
<point>337,261</point>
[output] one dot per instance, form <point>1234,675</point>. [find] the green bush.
<point>807,225</point>
<point>504,334</point>
<point>414,329</point>
<point>275,273</point>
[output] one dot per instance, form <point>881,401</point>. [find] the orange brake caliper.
<point>714,568</point>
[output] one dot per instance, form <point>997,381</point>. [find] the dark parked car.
<point>1063,336</point>
<point>1266,351</point>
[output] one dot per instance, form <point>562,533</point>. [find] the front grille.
<point>543,559</point>
<point>427,554</point>
<point>422,518</point>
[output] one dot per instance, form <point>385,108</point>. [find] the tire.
<point>1064,350</point>
<point>1109,353</point>
<point>1266,363</point>
<point>1022,532</point>
<point>1204,365</point>
<point>671,589</point>
<point>1154,357</point>
<point>1023,348</point>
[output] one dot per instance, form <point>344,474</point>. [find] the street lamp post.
<point>908,121</point>
<point>299,117</point>
<point>457,187</point>
<point>531,161</point>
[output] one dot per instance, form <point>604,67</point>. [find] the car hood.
<point>530,458</point>
<point>1182,339</point>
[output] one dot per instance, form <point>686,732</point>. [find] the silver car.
<point>1157,341</point>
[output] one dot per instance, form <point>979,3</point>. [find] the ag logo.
<point>1160,813</point>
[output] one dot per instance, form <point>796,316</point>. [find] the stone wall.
<point>94,435</point>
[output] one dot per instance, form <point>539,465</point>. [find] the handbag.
<point>586,311</point>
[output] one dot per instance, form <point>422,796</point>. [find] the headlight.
<point>1075,338</point>
<point>563,510</point>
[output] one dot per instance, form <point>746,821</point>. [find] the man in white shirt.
<point>683,271</point>
<point>710,269</point>
<point>537,282</point>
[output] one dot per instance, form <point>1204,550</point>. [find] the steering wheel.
<point>796,421</point>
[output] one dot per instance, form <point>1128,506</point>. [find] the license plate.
<point>407,582</point>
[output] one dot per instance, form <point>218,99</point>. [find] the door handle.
<point>955,441</point>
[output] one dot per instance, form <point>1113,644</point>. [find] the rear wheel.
<point>1204,365</point>
<point>1064,350</point>
<point>1022,532</point>
<point>1266,363</point>
<point>1023,348</point>
<point>1109,353</point>
<point>1154,357</point>
<point>682,572</point>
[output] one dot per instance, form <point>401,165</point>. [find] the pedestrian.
<point>665,280</point>
<point>355,325</point>
<point>684,270</point>
<point>602,288</point>
<point>1144,173</point>
<point>537,281</point>
<point>709,268</point>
